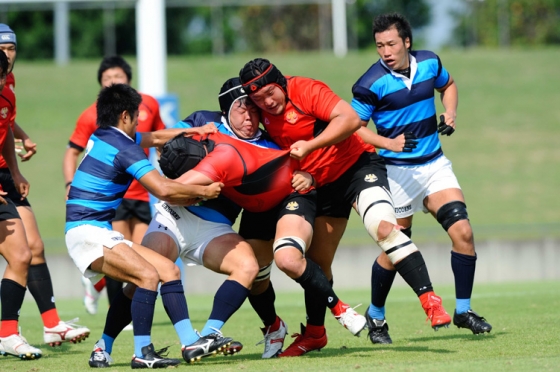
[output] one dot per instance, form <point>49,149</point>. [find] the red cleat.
<point>305,343</point>
<point>433,307</point>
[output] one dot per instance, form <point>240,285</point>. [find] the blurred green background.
<point>505,151</point>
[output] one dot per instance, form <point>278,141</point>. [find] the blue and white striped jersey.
<point>397,104</point>
<point>112,160</point>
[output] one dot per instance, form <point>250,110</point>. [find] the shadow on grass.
<point>462,337</point>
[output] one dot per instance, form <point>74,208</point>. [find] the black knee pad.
<point>452,212</point>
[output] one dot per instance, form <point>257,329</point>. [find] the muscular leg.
<point>13,246</point>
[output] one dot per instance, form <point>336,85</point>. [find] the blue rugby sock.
<point>463,267</point>
<point>108,342</point>
<point>142,309</point>
<point>175,305</point>
<point>381,282</point>
<point>376,312</point>
<point>462,305</point>
<point>229,297</point>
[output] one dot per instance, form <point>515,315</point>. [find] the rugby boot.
<point>100,358</point>
<point>274,336</point>
<point>151,358</point>
<point>433,307</point>
<point>205,346</point>
<point>16,345</point>
<point>471,320</point>
<point>304,343</point>
<point>91,297</point>
<point>349,318</point>
<point>65,332</point>
<point>378,330</point>
<point>233,348</point>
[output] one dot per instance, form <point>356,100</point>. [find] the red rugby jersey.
<point>255,178</point>
<point>307,112</point>
<point>7,111</point>
<point>148,121</point>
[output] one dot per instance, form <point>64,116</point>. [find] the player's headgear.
<point>182,154</point>
<point>231,92</point>
<point>260,72</point>
<point>7,35</point>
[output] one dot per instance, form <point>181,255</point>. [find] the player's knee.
<point>20,262</point>
<point>250,269</point>
<point>397,246</point>
<point>451,213</point>
<point>37,246</point>
<point>375,207</point>
<point>149,278</point>
<point>288,254</point>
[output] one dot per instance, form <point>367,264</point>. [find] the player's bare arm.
<point>450,101</point>
<point>29,146</point>
<point>343,122</point>
<point>404,142</point>
<point>9,154</point>
<point>160,137</point>
<point>176,192</point>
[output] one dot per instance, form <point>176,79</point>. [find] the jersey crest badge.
<point>292,206</point>
<point>291,117</point>
<point>4,112</point>
<point>370,178</point>
<point>142,115</point>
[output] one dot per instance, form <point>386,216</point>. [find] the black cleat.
<point>378,330</point>
<point>212,344</point>
<point>99,357</point>
<point>233,348</point>
<point>472,321</point>
<point>152,359</point>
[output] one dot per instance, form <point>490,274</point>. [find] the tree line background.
<point>488,23</point>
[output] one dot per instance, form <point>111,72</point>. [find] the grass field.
<point>505,151</point>
<point>524,337</point>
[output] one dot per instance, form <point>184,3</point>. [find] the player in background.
<point>113,158</point>
<point>397,94</point>
<point>134,213</point>
<point>307,118</point>
<point>55,331</point>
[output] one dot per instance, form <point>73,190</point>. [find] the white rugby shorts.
<point>85,245</point>
<point>410,185</point>
<point>190,232</point>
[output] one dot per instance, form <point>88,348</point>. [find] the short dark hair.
<point>384,22</point>
<point>113,101</point>
<point>3,63</point>
<point>112,62</point>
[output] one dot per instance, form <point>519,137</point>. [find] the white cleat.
<point>65,332</point>
<point>16,345</point>
<point>351,320</point>
<point>273,340</point>
<point>91,297</point>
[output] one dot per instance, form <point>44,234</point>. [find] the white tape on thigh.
<point>375,205</point>
<point>264,273</point>
<point>397,246</point>
<point>289,242</point>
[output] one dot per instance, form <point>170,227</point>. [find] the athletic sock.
<point>175,305</point>
<point>113,288</point>
<point>315,331</point>
<point>315,307</point>
<point>118,317</point>
<point>263,304</point>
<point>381,282</point>
<point>229,297</point>
<point>314,279</point>
<point>414,271</point>
<point>11,299</point>
<point>40,286</point>
<point>100,285</point>
<point>142,310</point>
<point>463,267</point>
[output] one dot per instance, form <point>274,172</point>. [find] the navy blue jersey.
<point>221,209</point>
<point>397,104</point>
<point>112,160</point>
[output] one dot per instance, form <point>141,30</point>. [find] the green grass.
<point>524,337</point>
<point>505,151</point>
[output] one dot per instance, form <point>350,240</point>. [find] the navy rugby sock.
<point>381,282</point>
<point>229,297</point>
<point>142,309</point>
<point>463,267</point>
<point>175,305</point>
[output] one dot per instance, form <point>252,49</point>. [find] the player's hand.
<point>446,126</point>
<point>205,129</point>
<point>405,142</point>
<point>22,186</point>
<point>29,146</point>
<point>212,191</point>
<point>302,181</point>
<point>300,150</point>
